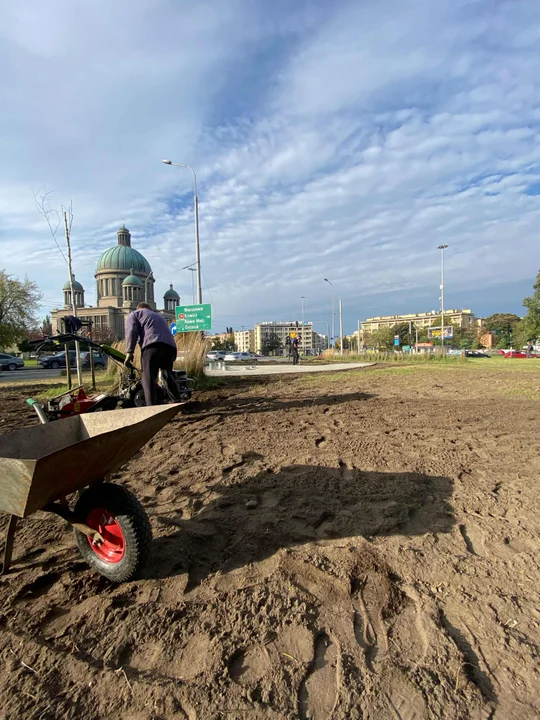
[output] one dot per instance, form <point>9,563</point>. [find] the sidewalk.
<point>229,369</point>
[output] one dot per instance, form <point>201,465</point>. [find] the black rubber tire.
<point>133,520</point>
<point>138,399</point>
<point>12,367</point>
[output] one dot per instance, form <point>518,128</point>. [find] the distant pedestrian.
<point>530,349</point>
<point>295,352</point>
<point>158,350</point>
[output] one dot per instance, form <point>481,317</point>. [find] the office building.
<point>459,318</point>
<point>267,334</point>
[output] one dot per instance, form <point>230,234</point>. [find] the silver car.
<point>9,362</point>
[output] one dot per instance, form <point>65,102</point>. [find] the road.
<point>27,374</point>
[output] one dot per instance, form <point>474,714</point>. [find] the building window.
<point>113,286</point>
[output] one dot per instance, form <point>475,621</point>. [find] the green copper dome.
<point>77,287</point>
<point>122,257</point>
<point>132,280</point>
<point>171,294</point>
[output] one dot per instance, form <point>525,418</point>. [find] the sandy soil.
<point>388,570</point>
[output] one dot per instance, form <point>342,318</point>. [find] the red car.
<point>520,354</point>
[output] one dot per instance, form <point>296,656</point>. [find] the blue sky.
<point>342,140</point>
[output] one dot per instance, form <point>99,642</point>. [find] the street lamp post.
<point>303,298</point>
<point>442,248</point>
<point>147,278</point>
<point>333,340</point>
<point>197,246</point>
<point>192,270</point>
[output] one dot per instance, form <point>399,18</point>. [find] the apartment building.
<point>244,340</point>
<point>459,318</point>
<point>310,342</point>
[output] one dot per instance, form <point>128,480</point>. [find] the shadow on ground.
<point>299,504</point>
<point>261,404</point>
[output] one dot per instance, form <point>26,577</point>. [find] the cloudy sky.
<point>342,139</point>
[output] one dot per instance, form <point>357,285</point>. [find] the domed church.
<point>123,279</point>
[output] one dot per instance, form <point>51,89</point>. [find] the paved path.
<point>265,369</point>
<point>28,374</point>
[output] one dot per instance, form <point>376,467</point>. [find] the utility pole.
<point>340,328</point>
<point>73,303</point>
<point>442,248</point>
<point>333,338</point>
<point>303,326</point>
<point>359,337</point>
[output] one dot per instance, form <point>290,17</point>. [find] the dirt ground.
<point>390,568</point>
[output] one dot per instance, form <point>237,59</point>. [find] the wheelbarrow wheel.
<point>122,521</point>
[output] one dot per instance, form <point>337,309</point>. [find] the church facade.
<point>123,279</point>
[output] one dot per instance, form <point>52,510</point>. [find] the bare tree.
<point>54,218</point>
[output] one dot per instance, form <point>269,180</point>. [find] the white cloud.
<point>343,143</point>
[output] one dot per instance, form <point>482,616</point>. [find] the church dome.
<point>132,280</point>
<point>171,294</point>
<point>77,287</point>
<point>122,257</point>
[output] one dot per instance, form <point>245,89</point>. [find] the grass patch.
<point>510,367</point>
<point>392,357</point>
<point>103,386</point>
<point>206,382</point>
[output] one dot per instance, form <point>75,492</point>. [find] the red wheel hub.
<point>113,547</point>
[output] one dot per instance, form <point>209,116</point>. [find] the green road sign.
<point>192,318</point>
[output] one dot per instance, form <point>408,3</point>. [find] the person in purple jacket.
<point>158,350</point>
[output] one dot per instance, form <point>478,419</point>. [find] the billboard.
<point>434,333</point>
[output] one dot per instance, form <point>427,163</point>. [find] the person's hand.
<point>128,362</point>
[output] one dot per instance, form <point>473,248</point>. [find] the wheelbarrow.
<point>41,466</point>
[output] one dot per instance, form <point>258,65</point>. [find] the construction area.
<point>356,545</point>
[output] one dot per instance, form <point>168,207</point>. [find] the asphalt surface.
<point>27,374</point>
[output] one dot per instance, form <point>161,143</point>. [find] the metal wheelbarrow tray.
<point>41,465</point>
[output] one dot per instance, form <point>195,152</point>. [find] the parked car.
<point>215,355</point>
<point>245,356</point>
<point>48,362</point>
<point>99,360</point>
<point>476,354</point>
<point>52,362</point>
<point>9,362</point>
<point>520,354</point>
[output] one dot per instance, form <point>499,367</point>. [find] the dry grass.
<point>349,356</point>
<point>192,349</point>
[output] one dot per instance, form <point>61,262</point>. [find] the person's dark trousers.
<point>156,357</point>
